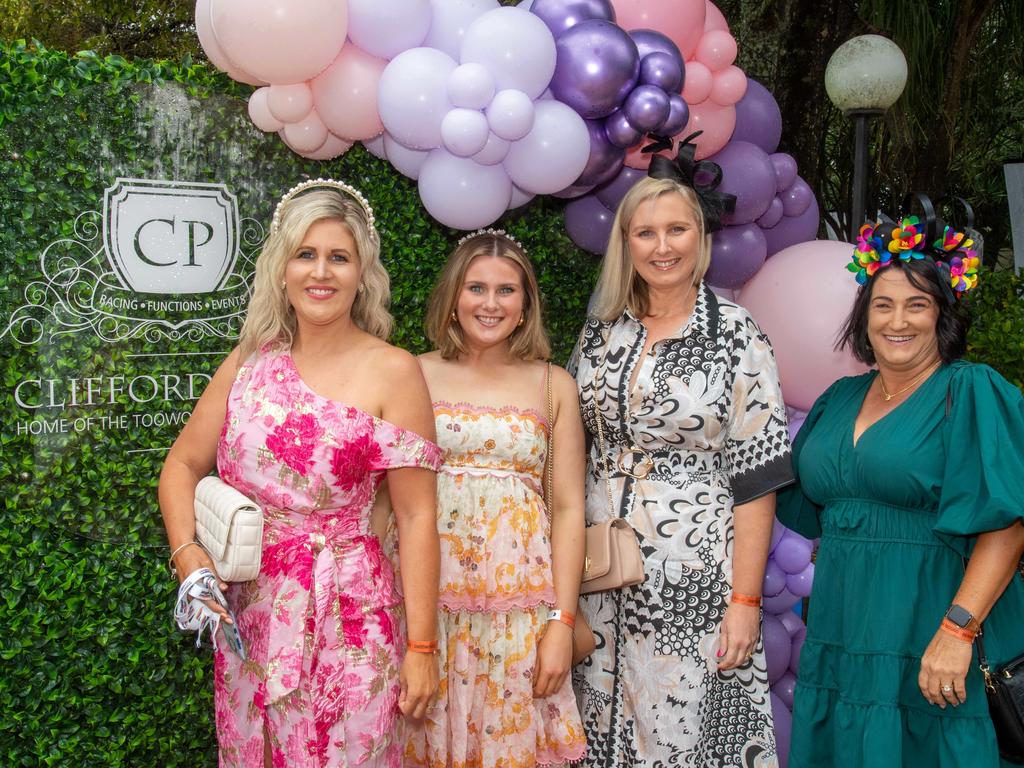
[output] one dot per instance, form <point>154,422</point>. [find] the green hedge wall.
<point>92,672</point>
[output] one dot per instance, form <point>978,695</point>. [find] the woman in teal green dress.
<point>901,472</point>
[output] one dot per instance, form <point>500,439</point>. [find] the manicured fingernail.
<point>720,654</point>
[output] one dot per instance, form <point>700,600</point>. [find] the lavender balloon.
<point>663,70</point>
<point>747,172</point>
<point>596,68</point>
<point>793,553</point>
<point>589,223</point>
<point>784,688</point>
<point>785,170</point>
<point>800,583</point>
<point>797,198</point>
<point>620,131</point>
<point>678,115</point>
<point>774,579</point>
<point>773,215</point>
<point>780,602</point>
<point>611,194</point>
<point>792,623</point>
<point>605,158</point>
<point>777,646</point>
<point>793,229</point>
<point>646,107</point>
<point>737,252</point>
<point>758,119</point>
<point>561,15</point>
<point>783,719</point>
<point>778,531</point>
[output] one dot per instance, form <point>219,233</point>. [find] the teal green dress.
<point>895,513</point>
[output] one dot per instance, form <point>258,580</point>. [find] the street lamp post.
<point>864,77</point>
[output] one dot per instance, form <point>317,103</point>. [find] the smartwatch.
<point>963,618</point>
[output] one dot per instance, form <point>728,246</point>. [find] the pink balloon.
<point>204,31</point>
<point>259,112</point>
<point>716,50</point>
<point>728,86</point>
<point>289,103</point>
<point>346,94</point>
<point>682,21</point>
<point>698,84</point>
<point>800,299</point>
<point>717,122</point>
<point>334,147</point>
<point>713,18</point>
<point>307,135</point>
<point>280,41</point>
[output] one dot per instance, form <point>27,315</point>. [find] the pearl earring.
<point>283,285</point>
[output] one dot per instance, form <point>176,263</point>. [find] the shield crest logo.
<point>170,237</point>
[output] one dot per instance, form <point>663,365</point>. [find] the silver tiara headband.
<point>494,232</point>
<point>355,194</point>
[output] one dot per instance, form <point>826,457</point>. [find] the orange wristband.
<point>958,632</point>
<point>565,617</point>
<point>753,602</point>
<point>422,646</point>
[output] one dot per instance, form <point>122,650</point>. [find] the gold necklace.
<point>887,395</point>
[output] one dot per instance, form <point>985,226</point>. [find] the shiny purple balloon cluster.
<point>624,84</point>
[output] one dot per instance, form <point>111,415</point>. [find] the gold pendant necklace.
<point>887,395</point>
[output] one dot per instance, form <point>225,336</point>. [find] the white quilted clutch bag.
<point>230,528</point>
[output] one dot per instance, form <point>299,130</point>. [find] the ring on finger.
<point>947,689</point>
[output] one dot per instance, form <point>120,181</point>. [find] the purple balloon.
<point>663,70</point>
<point>774,579</point>
<point>793,553</point>
<point>605,158</point>
<point>783,720</point>
<point>784,687</point>
<point>773,215</point>
<point>778,531</point>
<point>646,107</point>
<point>800,583</point>
<point>611,194</point>
<point>678,115</point>
<point>561,15</point>
<point>737,253</point>
<point>785,170</point>
<point>793,230</point>
<point>573,191</point>
<point>794,651</point>
<point>793,624</point>
<point>650,41</point>
<point>589,223</point>
<point>776,647</point>
<point>758,119</point>
<point>797,198</point>
<point>596,68</point>
<point>794,426</point>
<point>779,603</point>
<point>747,172</point>
<point>620,131</point>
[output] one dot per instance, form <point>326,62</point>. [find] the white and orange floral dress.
<point>496,590</point>
<point>322,622</point>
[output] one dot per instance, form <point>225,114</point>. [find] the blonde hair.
<point>528,341</point>
<point>270,317</point>
<point>620,287</point>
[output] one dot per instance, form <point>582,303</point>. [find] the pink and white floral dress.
<point>322,622</point>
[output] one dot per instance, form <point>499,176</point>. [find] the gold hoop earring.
<point>522,319</point>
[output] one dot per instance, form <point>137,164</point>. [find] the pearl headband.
<point>355,194</point>
<point>493,232</point>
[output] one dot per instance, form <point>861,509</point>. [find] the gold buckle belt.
<point>635,462</point>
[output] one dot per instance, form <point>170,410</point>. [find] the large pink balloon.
<point>716,50</point>
<point>345,94</point>
<point>332,148</point>
<point>259,112</point>
<point>280,41</point>
<point>713,18</point>
<point>306,135</point>
<point>204,31</point>
<point>716,121</point>
<point>800,298</point>
<point>682,21</point>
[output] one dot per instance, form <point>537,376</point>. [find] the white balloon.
<point>290,103</point>
<point>510,114</point>
<point>307,135</point>
<point>406,161</point>
<point>375,146</point>
<point>553,154</point>
<point>385,28</point>
<point>259,112</point>
<point>471,86</point>
<point>464,131</point>
<point>494,150</point>
<point>450,19</point>
<point>515,45</point>
<point>413,97</point>
<point>463,194</point>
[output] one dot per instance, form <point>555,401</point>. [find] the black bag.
<point>1004,688</point>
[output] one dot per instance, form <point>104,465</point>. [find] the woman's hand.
<point>189,560</point>
<point>741,627</point>
<point>554,659</point>
<point>419,680</point>
<point>944,670</point>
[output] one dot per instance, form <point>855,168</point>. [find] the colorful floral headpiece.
<point>880,244</point>
<point>348,189</point>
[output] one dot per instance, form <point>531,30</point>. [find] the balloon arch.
<point>488,105</point>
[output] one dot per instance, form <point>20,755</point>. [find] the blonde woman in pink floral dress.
<point>510,568</point>
<point>308,417</point>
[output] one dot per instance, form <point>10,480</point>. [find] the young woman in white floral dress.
<point>507,561</point>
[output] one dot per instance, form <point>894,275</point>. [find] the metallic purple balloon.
<point>596,68</point>
<point>620,131</point>
<point>611,194</point>
<point>646,107</point>
<point>662,70</point>
<point>678,116</point>
<point>651,41</point>
<point>561,15</point>
<point>589,223</point>
<point>605,158</point>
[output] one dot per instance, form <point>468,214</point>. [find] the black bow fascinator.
<point>702,176</point>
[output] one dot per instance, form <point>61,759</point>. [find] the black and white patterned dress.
<point>708,410</point>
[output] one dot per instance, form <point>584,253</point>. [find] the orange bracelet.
<point>565,617</point>
<point>753,602</point>
<point>958,632</point>
<point>422,646</point>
